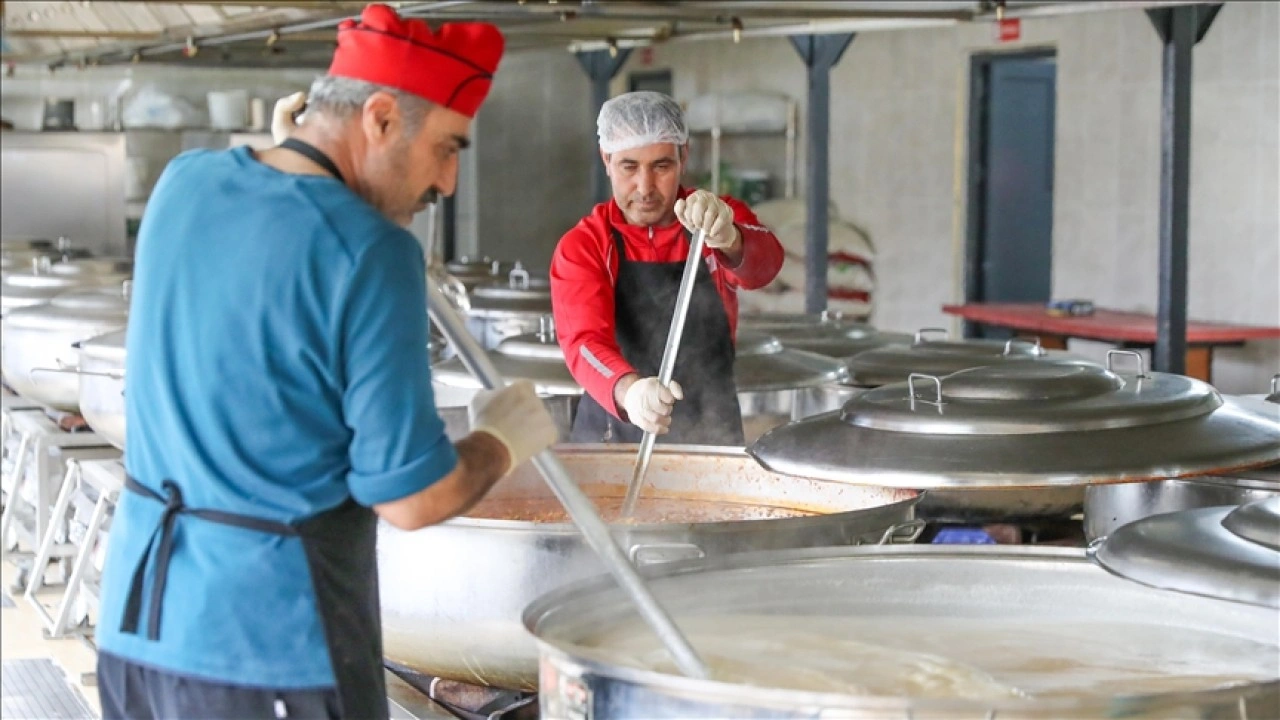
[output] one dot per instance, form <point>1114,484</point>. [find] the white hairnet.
<point>640,118</point>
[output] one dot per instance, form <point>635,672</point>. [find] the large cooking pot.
<point>102,385</point>
<point>1023,427</point>
<point>1108,507</point>
<point>452,594</point>
<point>513,306</point>
<point>907,632</point>
<point>18,254</point>
<point>484,271</point>
<point>39,342</point>
<point>775,384</point>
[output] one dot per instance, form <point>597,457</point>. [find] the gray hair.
<point>343,97</point>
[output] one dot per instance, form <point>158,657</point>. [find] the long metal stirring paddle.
<point>668,366</point>
<point>579,506</point>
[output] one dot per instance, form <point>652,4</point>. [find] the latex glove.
<point>649,405</point>
<point>515,416</point>
<point>702,210</point>
<point>282,123</point>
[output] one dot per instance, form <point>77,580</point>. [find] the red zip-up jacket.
<point>584,272</point>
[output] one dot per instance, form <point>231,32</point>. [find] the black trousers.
<point>132,691</point>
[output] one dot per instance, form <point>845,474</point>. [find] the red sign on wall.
<point>1010,29</point>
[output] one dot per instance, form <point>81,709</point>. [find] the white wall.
<point>898,143</point>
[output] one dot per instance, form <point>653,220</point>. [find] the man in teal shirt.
<point>279,394</point>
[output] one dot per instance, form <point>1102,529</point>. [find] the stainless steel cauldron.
<point>1033,618</point>
<point>102,385</point>
<point>452,594</point>
<point>39,342</point>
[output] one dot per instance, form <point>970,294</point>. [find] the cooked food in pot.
<point>669,507</point>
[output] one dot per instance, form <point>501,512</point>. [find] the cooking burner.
<point>469,702</point>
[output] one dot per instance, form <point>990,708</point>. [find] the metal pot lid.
<point>892,363</point>
<point>108,346</point>
<point>518,295</point>
<point>1257,522</point>
<point>1193,551</point>
<point>93,266</point>
<point>764,364</point>
<point>826,333</point>
<point>75,308</point>
<point>535,357</point>
<point>1027,425</point>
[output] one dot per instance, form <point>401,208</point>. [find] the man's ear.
<point>604,158</point>
<point>379,118</point>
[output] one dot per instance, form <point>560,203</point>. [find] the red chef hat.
<point>452,67</point>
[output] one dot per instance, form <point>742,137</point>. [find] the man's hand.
<point>648,404</point>
<point>515,416</point>
<point>282,123</point>
<point>704,211</point>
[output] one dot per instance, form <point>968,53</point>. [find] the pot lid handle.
<point>1034,342</point>
<point>547,329</point>
<point>1275,384</point>
<point>41,265</point>
<point>920,334</point>
<point>831,316</point>
<point>937,383</point>
<point>1142,366</point>
<point>518,278</point>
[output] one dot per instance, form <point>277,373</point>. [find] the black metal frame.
<point>1179,28</point>
<point>601,66</point>
<point>820,53</point>
<point>975,177</point>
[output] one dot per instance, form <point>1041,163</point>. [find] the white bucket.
<point>229,109</point>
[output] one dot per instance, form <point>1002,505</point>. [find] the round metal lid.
<point>108,346</point>
<point>1196,552</point>
<point>535,357</point>
<point>93,266</point>
<point>1027,425</point>
<point>892,363</point>
<point>764,364</point>
<point>518,296</point>
<point>827,333</point>
<point>74,308</point>
<point>1257,522</point>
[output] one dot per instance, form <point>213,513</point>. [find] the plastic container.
<point>228,109</point>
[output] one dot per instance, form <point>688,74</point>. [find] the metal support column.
<point>1180,28</point>
<point>820,53</point>
<point>601,66</point>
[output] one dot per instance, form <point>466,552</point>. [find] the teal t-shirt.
<point>277,365</point>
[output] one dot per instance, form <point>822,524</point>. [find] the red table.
<point>1125,328</point>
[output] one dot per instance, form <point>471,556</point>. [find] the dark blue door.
<point>1011,247</point>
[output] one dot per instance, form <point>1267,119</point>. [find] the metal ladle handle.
<point>579,507</point>
<point>668,366</point>
<point>921,333</point>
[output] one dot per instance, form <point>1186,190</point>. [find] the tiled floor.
<point>21,638</point>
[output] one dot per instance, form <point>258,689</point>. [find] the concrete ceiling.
<point>269,33</point>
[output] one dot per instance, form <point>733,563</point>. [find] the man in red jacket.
<point>616,274</point>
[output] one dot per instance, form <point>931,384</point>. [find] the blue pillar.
<point>600,66</point>
<point>820,53</point>
<point>1180,28</point>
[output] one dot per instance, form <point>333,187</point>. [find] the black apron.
<point>644,301</point>
<point>340,545</point>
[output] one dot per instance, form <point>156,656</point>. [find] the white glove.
<point>515,416</point>
<point>282,124</point>
<point>649,405</point>
<point>702,210</point>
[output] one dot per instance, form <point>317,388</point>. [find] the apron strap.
<point>315,155</point>
<point>173,507</point>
